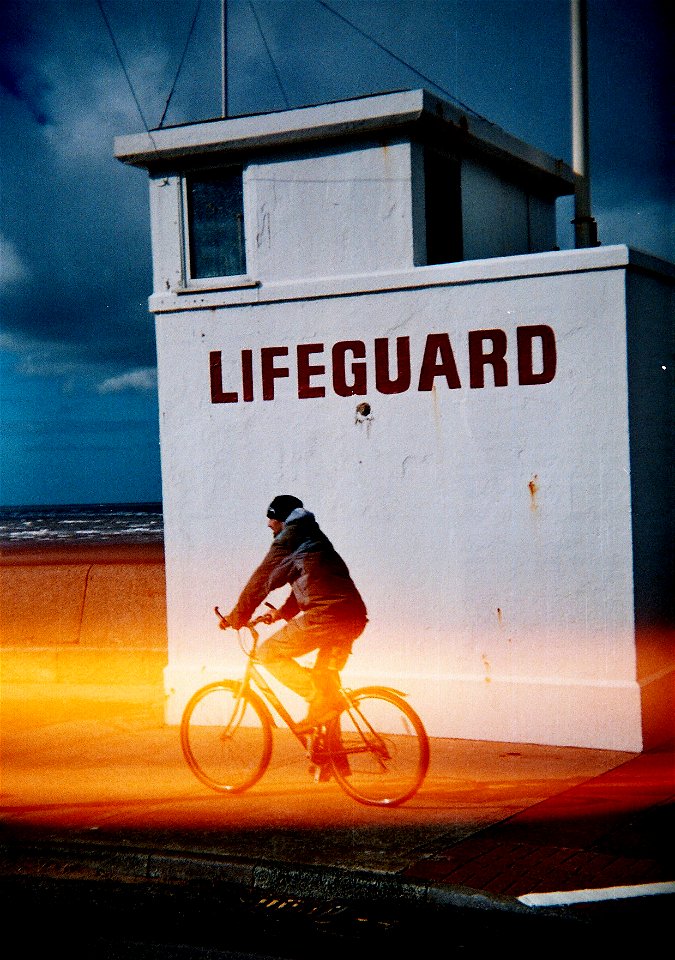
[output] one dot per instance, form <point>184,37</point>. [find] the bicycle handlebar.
<point>252,623</point>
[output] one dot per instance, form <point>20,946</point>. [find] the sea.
<point>96,523</point>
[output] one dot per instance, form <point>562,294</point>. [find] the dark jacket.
<point>304,557</point>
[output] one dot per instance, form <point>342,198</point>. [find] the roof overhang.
<point>412,114</point>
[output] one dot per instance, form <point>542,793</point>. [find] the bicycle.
<point>376,748</point>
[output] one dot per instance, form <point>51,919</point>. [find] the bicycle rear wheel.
<point>226,739</point>
<point>379,749</point>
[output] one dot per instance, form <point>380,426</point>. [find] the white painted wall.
<point>489,529</point>
<point>332,212</point>
<point>167,232</point>
<point>340,211</point>
<point>356,209</point>
<point>511,541</point>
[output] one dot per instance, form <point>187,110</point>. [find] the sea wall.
<point>89,618</point>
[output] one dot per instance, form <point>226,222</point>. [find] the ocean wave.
<point>82,523</point>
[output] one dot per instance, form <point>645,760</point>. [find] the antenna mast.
<point>585,227</point>
<point>223,26</point>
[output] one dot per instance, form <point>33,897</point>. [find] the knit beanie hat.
<point>281,506</point>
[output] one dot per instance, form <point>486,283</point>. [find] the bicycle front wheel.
<point>379,748</point>
<point>226,738</point>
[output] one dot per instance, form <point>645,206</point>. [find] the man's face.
<point>275,526</point>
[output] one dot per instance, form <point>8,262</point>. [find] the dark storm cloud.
<point>75,258</point>
<point>16,84</point>
<point>630,80</point>
<point>76,284</point>
<point>76,221</point>
<point>98,330</point>
<point>17,78</point>
<point>76,226</point>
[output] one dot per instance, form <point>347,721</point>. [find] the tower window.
<point>215,212</point>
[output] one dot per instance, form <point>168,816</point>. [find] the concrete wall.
<point>486,515</point>
<point>651,348</point>
<point>339,188</point>
<point>339,211</point>
<point>500,218</point>
<point>496,497</point>
<point>83,618</point>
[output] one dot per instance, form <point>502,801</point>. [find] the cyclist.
<point>323,612</point>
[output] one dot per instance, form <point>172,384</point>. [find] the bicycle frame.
<point>395,740</point>
<point>253,678</point>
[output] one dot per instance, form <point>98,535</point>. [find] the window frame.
<point>224,281</point>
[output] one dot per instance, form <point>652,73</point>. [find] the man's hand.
<point>223,622</point>
<point>272,616</point>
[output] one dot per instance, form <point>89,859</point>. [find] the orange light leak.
<point>85,746</point>
<point>102,764</point>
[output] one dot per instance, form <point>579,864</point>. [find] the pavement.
<point>549,845</point>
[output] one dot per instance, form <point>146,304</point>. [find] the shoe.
<point>321,711</point>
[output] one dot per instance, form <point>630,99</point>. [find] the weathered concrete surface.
<point>83,615</point>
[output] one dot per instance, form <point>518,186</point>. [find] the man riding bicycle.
<point>323,612</point>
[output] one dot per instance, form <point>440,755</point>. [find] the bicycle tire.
<point>226,739</point>
<point>379,749</point>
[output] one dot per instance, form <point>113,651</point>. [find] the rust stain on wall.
<point>500,621</point>
<point>486,664</point>
<point>533,487</point>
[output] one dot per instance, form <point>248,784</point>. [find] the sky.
<point>78,385</point>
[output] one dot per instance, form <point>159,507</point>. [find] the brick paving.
<point>614,830</point>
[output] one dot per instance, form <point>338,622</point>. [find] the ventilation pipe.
<point>585,227</point>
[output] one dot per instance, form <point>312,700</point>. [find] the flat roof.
<point>408,111</point>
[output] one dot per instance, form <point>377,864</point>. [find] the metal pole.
<point>585,227</point>
<point>223,21</point>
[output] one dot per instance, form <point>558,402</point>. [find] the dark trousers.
<point>332,638</point>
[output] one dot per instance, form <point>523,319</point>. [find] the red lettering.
<point>383,382</point>
<point>216,373</point>
<point>270,373</point>
<point>438,344</point>
<point>496,357</point>
<point>306,371</point>
<point>549,360</point>
<point>536,351</point>
<point>247,375</point>
<point>357,385</point>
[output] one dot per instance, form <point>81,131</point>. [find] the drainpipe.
<point>585,227</point>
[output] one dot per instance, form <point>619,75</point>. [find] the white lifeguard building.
<point>362,304</point>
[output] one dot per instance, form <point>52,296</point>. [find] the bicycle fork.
<point>237,714</point>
